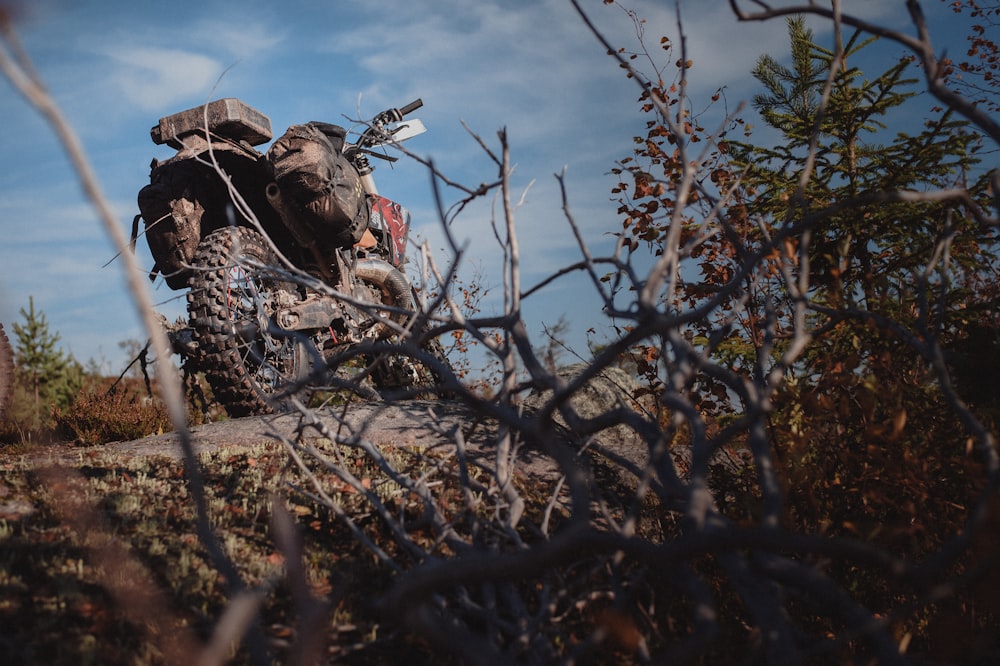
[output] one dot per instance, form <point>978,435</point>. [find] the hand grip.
<point>411,107</point>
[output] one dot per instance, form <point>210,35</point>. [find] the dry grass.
<point>66,598</point>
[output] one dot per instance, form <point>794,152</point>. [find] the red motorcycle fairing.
<point>394,221</point>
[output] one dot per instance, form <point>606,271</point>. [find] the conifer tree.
<point>48,374</point>
<point>823,230</point>
<point>870,249</point>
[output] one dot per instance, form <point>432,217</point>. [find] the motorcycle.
<point>292,260</point>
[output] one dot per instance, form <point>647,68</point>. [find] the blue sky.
<point>528,65</point>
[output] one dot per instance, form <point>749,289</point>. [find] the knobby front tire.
<point>250,365</point>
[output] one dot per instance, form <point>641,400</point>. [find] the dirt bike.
<point>291,258</point>
<point>6,373</point>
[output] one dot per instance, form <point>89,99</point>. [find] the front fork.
<point>364,168</point>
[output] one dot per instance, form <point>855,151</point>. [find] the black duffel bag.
<point>319,186</point>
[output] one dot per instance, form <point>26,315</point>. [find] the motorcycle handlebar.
<point>376,130</point>
<point>411,107</point>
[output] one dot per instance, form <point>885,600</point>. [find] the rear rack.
<point>228,117</point>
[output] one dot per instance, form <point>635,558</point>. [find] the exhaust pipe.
<point>394,286</point>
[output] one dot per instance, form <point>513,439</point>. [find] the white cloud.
<point>153,78</point>
<point>244,39</point>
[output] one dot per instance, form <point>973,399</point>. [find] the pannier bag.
<point>172,206</point>
<point>319,186</point>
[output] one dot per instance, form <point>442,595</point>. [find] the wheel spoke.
<point>246,359</point>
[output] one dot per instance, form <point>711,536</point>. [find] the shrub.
<point>97,417</point>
